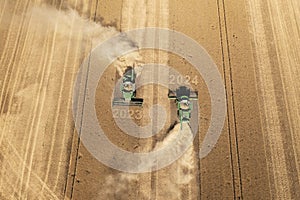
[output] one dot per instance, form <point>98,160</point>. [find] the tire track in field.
<point>3,5</point>
<point>15,107</point>
<point>284,17</point>
<point>12,134</point>
<point>57,114</point>
<point>157,14</point>
<point>37,59</point>
<point>6,60</point>
<point>231,122</point>
<point>12,166</point>
<point>134,15</point>
<point>281,135</point>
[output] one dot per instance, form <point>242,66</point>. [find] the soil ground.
<point>255,45</point>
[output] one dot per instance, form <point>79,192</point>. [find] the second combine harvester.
<point>183,96</point>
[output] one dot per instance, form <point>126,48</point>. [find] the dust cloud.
<point>44,69</point>
<point>68,23</point>
<point>182,172</point>
<point>177,176</point>
<point>119,186</point>
<point>58,42</point>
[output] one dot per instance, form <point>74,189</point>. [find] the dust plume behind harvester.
<point>183,97</point>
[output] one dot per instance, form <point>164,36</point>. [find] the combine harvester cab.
<point>183,97</point>
<point>128,90</point>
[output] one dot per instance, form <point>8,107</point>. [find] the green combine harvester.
<point>128,90</point>
<point>183,96</point>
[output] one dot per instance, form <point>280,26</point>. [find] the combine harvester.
<point>128,90</point>
<point>183,96</point>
